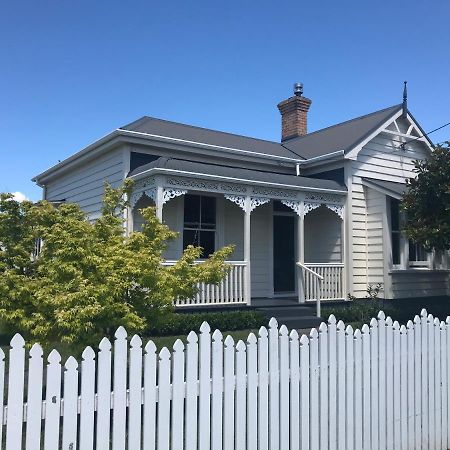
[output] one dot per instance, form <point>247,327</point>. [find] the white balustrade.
<point>231,290</point>
<point>332,286</point>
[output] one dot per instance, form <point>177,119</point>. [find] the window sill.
<point>416,269</point>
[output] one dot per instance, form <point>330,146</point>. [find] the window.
<point>200,223</point>
<point>417,256</point>
<point>395,231</point>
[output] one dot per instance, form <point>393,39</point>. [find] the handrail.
<point>169,262</point>
<point>299,264</point>
<point>319,280</point>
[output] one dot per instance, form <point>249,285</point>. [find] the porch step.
<point>294,317</point>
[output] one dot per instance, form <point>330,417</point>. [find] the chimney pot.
<point>294,114</point>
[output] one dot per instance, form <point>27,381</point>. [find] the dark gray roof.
<point>396,189</point>
<point>160,127</point>
<point>343,136</point>
<point>238,173</point>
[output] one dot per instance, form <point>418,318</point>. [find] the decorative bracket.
<point>238,199</point>
<point>296,206</point>
<point>338,209</point>
<point>172,193</point>
<point>135,196</point>
<point>310,207</point>
<point>256,201</point>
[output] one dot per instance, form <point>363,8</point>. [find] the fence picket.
<point>163,430</point>
<point>34,398</point>
<point>447,359</point>
<point>241,396</point>
<point>424,370</point>
<point>120,390</point>
<point>14,412</point>
<point>294,362</point>
<point>323,380</point>
<point>304,393</point>
<point>284,386</point>
<point>204,400</point>
<point>417,384</point>
<point>2,394</point>
<point>274,381</point>
<point>341,394</point>
<point>52,401</point>
<point>70,411</point>
<point>410,384</point>
<point>431,386</point>
<point>263,389</point>
<point>366,387</point>
<point>87,399</point>
<point>149,413</point>
<point>191,391</point>
<point>314,388</point>
<point>349,389</point>
<point>403,388</point>
<point>389,337</point>
<point>177,423</point>
<point>396,385</point>
<point>252,393</point>
<point>438,394</point>
<point>103,425</point>
<point>228,396</point>
<point>382,379</point>
<point>332,366</point>
<point>217,390</point>
<point>444,358</point>
<point>358,409</point>
<point>135,394</point>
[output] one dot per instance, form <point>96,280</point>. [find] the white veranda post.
<point>247,250</point>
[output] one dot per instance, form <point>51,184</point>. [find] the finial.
<point>405,99</point>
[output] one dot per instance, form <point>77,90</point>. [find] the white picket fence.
<point>385,386</point>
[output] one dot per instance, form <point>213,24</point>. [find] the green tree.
<point>89,277</point>
<point>427,201</point>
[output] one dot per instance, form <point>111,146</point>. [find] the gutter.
<point>158,170</point>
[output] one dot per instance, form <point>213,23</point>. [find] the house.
<point>320,205</point>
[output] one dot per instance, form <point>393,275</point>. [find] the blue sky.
<point>73,71</point>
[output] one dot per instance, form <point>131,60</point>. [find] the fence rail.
<point>230,290</point>
<point>383,387</point>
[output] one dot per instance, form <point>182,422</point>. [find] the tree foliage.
<point>427,201</point>
<point>89,277</point>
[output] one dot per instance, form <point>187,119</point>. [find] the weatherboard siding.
<point>381,159</point>
<point>85,184</point>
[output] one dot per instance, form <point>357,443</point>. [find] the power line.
<point>402,145</point>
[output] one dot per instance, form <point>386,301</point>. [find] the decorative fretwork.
<point>193,183</point>
<point>135,196</point>
<point>310,207</point>
<point>274,193</point>
<point>238,199</point>
<point>255,202</point>
<point>233,188</point>
<point>338,209</point>
<point>172,193</point>
<point>323,198</point>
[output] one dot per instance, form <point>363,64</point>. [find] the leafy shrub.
<point>184,323</point>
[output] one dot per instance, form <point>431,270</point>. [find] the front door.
<point>283,253</point>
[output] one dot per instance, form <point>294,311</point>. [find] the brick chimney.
<point>294,114</point>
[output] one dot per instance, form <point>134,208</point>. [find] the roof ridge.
<point>298,138</point>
